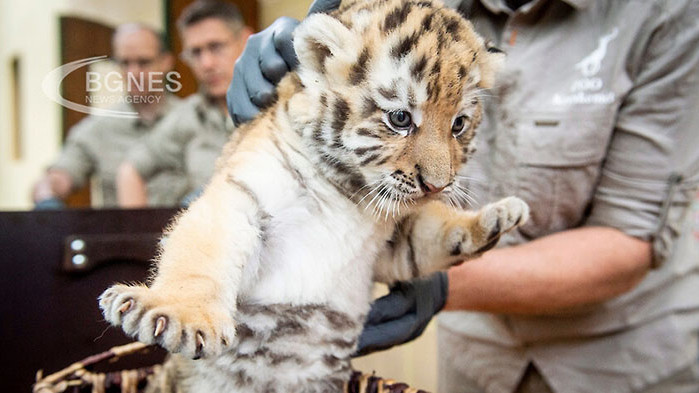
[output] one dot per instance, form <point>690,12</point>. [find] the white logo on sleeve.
<point>588,89</point>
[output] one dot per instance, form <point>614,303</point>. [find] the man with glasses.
<point>190,140</point>
<point>96,146</point>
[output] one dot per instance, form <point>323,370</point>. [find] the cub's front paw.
<point>177,323</point>
<point>477,233</point>
<point>500,217</point>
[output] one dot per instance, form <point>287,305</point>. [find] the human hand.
<point>42,190</point>
<point>403,314</point>
<point>191,197</point>
<point>323,6</point>
<point>50,204</point>
<point>267,57</point>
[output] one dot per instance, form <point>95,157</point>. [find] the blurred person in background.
<point>97,145</point>
<point>594,124</point>
<point>191,139</point>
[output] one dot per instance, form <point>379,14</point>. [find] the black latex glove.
<point>403,314</point>
<point>323,6</point>
<point>267,57</point>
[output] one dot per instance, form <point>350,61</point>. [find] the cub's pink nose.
<point>429,188</point>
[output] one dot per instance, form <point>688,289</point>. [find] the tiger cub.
<point>347,179</point>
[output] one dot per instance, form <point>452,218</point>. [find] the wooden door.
<point>80,39</point>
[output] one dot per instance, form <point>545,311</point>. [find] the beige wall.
<point>270,10</point>
<point>30,30</point>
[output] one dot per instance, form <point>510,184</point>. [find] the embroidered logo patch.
<point>590,88</point>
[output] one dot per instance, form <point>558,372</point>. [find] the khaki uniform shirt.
<point>188,140</point>
<point>97,145</point>
<point>594,125</point>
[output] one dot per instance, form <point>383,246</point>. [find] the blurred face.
<point>211,48</point>
<point>137,52</point>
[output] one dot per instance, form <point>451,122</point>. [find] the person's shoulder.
<point>615,8</point>
<point>193,100</point>
<point>91,126</point>
<point>181,119</point>
<point>675,5</point>
<point>115,114</point>
<point>657,11</point>
<point>172,101</point>
<point>686,10</point>
<point>173,98</point>
<point>665,20</point>
<point>185,108</point>
<point>178,112</point>
<point>191,110</point>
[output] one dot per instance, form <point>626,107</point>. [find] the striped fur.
<point>371,58</point>
<point>267,276</point>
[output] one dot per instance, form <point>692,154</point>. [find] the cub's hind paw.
<point>194,329</point>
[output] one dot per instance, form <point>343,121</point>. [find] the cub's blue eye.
<point>400,119</point>
<point>459,125</point>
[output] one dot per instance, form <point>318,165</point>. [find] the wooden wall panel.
<point>80,39</point>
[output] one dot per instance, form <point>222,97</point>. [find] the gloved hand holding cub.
<point>267,57</point>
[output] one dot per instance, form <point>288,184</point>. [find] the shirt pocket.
<point>560,155</point>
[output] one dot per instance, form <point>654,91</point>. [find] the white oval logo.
<point>51,86</point>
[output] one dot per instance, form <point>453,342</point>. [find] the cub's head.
<point>387,95</point>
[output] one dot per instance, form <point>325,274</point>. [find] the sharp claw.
<point>159,326</point>
<point>126,306</point>
<point>200,342</point>
<point>495,232</point>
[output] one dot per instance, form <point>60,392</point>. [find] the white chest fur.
<point>318,246</point>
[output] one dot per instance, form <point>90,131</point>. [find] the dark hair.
<point>205,9</point>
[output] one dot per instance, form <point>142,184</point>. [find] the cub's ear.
<point>325,49</point>
<point>492,63</point>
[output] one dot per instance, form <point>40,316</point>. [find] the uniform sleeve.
<point>164,147</point>
<point>76,157</point>
<point>651,167</point>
